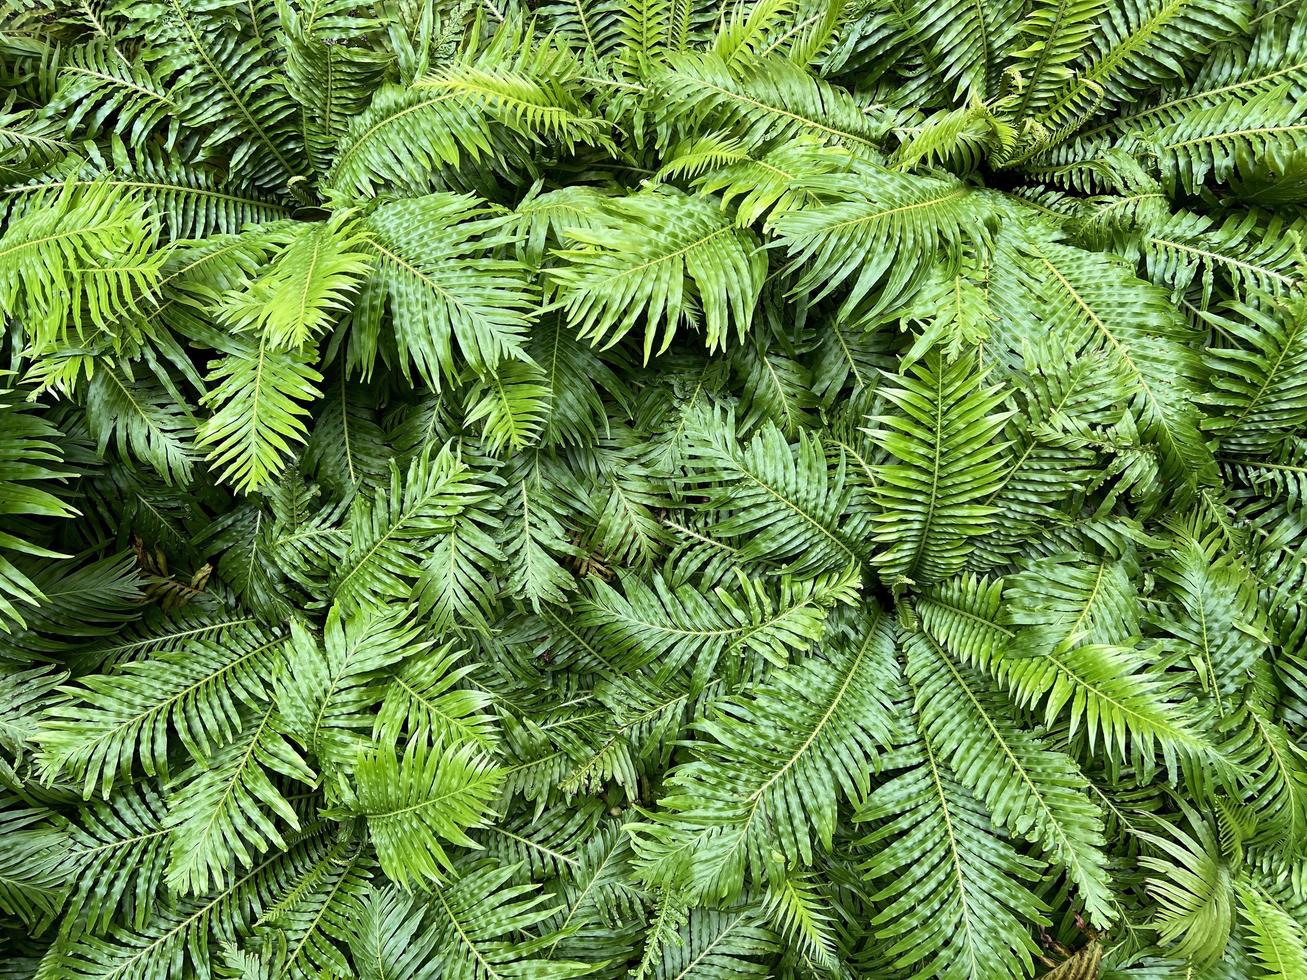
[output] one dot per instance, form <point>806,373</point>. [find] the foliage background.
<point>653,488</point>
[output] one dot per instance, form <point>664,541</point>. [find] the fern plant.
<point>653,488</point>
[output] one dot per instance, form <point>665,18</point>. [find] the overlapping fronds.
<point>653,489</point>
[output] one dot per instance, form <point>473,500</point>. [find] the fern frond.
<point>530,95</point>
<point>1250,256</point>
<point>725,809</point>
<point>534,540</point>
<point>223,68</point>
<point>592,27</point>
<point>623,512</point>
<point>80,263</point>
<point>1093,304</point>
<point>1214,142</point>
<point>308,928</point>
<point>1260,379</point>
<point>1232,72</point>
<point>943,438</point>
<point>658,624</point>
<point>347,450</point>
<point>181,934</point>
<point>516,89</point>
<point>510,405</point>
<point>259,415</point>
<point>29,458</point>
<point>1106,688</point>
<point>764,105</point>
<point>1032,790</point>
<point>389,938</point>
<point>1058,31</point>
<point>331,71</point>
<point>425,697</point>
<point>870,241</point>
<point>418,506</point>
<point>1140,44</point>
<point>30,889</point>
<point>965,40</point>
<point>99,88</point>
<point>1275,934</point>
<point>141,417</point>
<point>786,504</point>
<point>113,859</point>
<point>479,919</point>
<point>578,381</point>
<point>436,271</point>
<point>1191,880</point>
<point>599,919</point>
<point>227,814</point>
<point>661,259</point>
<point>734,941</point>
<point>412,803</point>
<point>309,283</point>
<point>955,894</point>
<point>327,689</point>
<point>1213,615</point>
<point>144,707</point>
<point>773,183</point>
<point>958,138</point>
<point>803,918</point>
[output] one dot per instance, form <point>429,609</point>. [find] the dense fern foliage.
<point>653,488</point>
